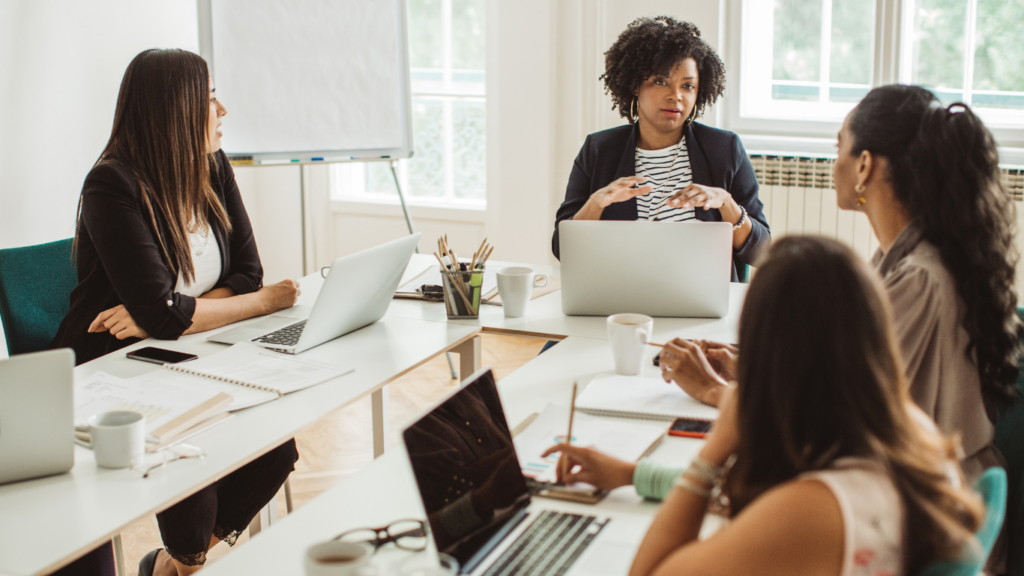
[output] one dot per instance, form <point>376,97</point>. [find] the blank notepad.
<point>638,397</point>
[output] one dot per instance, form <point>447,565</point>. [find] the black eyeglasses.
<point>408,535</point>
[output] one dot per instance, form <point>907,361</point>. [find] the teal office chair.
<point>1010,441</point>
<point>992,489</point>
<point>35,293</point>
<point>743,272</point>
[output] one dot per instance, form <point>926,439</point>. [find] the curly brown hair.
<point>651,46</point>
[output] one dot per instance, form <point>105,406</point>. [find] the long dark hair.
<point>944,168</point>
<point>160,136</point>
<point>821,378</point>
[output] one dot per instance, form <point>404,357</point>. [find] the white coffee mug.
<point>336,558</point>
<point>629,335</point>
<point>118,438</point>
<point>515,286</point>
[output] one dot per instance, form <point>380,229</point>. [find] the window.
<point>968,51</point>
<point>447,69</point>
<point>819,62</point>
<point>813,60</point>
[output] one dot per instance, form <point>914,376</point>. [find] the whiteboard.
<point>308,81</point>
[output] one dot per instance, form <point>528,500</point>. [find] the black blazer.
<point>611,154</point>
<point>119,261</point>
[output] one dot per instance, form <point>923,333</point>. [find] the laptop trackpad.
<point>253,330</point>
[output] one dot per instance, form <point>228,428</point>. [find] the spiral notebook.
<point>639,397</point>
<point>251,375</point>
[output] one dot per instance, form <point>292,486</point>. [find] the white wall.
<point>61,66</point>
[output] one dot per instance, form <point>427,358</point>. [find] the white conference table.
<point>93,504</point>
<point>47,523</point>
<point>545,319</point>
<point>385,491</point>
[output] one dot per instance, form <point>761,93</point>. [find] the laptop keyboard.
<point>287,336</point>
<point>549,545</point>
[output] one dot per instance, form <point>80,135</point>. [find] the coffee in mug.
<point>336,558</point>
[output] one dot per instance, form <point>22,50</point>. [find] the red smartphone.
<point>690,428</point>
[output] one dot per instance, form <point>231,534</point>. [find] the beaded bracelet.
<point>684,483</point>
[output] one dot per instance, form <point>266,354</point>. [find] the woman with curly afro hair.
<point>663,166</point>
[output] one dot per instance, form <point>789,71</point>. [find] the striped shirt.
<point>653,166</point>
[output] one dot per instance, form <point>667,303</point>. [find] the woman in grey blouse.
<point>927,178</point>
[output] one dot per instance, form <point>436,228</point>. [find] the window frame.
<point>891,57</point>
<point>347,186</point>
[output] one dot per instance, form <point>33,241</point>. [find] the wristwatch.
<point>743,218</point>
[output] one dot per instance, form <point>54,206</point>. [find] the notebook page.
<point>641,397</point>
<point>624,439</point>
<point>243,397</point>
<point>263,368</point>
<point>158,401</point>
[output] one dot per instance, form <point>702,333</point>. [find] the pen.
<point>568,437</point>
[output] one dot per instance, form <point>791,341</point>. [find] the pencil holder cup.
<point>462,293</point>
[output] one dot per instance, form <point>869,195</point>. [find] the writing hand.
<point>594,467</point>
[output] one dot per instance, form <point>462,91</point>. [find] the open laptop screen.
<point>467,470</point>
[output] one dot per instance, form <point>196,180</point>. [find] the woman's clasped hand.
<point>702,368</point>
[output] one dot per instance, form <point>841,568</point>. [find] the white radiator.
<point>799,198</point>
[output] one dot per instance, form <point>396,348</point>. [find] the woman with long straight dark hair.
<point>164,248</point>
<point>836,471</point>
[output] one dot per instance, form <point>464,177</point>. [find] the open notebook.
<point>250,374</point>
<point>638,397</point>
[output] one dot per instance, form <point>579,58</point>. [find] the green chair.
<point>35,294</point>
<point>743,272</point>
<point>992,488</point>
<point>1010,441</point>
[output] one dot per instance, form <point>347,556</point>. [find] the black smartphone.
<point>160,356</point>
<point>690,428</point>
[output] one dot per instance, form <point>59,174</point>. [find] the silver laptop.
<point>670,269</point>
<point>357,292</point>
<point>37,434</point>
<point>478,503</point>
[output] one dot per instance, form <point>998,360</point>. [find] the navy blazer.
<point>611,154</point>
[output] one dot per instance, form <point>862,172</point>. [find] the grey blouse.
<point>943,376</point>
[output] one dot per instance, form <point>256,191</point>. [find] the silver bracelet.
<point>684,483</point>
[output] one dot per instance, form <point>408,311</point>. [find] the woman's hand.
<point>618,191</point>
<point>723,358</point>
<point>596,468</point>
<point>725,434</point>
<point>707,197</point>
<point>684,363</point>
<point>118,322</point>
<point>279,296</point>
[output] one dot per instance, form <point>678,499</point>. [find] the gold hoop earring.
<point>693,116</point>
<point>859,188</point>
<point>634,115</point>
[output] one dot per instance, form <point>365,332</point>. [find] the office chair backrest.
<point>35,293</point>
<point>1010,441</point>
<point>992,489</point>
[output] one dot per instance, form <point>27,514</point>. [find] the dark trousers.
<point>225,508</point>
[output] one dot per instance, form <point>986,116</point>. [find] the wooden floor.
<point>341,443</point>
